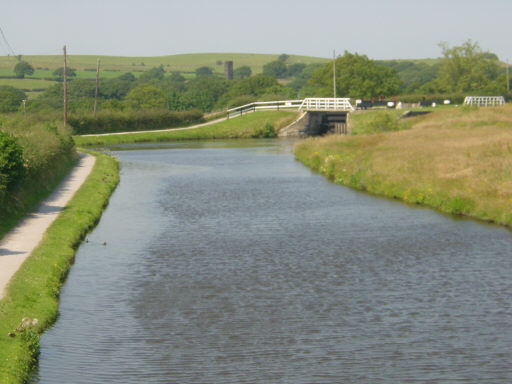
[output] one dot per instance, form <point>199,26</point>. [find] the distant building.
<point>228,70</point>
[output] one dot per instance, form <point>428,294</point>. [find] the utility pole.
<point>97,81</point>
<point>334,72</point>
<point>65,90</point>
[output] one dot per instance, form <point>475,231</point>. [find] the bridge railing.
<point>263,106</point>
<point>326,104</point>
<point>484,101</point>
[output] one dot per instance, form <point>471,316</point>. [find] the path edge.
<point>33,291</point>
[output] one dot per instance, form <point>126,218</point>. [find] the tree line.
<point>462,69</point>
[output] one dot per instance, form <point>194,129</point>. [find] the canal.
<point>229,262</point>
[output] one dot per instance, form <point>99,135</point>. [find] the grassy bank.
<point>33,291</point>
<point>376,121</point>
<point>251,125</point>
<point>458,161</point>
<point>48,154</point>
<point>112,121</point>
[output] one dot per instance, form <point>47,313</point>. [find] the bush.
<point>10,98</point>
<point>35,152</point>
<point>11,161</point>
<point>266,131</point>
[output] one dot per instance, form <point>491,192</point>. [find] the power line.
<point>6,42</point>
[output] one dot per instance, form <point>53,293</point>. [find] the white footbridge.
<point>327,104</point>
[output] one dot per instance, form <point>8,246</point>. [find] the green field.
<point>179,63</point>
<point>114,66</point>
<point>48,74</point>
<point>27,84</point>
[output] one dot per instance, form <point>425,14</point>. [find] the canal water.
<point>233,263</point>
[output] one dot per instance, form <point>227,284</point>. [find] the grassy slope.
<point>181,63</point>
<point>240,127</point>
<point>458,161</point>
<point>33,292</point>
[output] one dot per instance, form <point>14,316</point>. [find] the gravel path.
<point>19,243</point>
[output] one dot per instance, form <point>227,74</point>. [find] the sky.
<point>380,29</point>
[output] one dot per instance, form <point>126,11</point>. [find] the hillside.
<point>178,63</point>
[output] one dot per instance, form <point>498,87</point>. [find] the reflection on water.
<point>231,264</point>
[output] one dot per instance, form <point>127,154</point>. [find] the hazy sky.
<point>381,29</point>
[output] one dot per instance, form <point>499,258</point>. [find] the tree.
<point>356,76</point>
<point>276,69</point>
<point>10,98</point>
<point>23,68</point>
<point>59,72</point>
<point>412,74</point>
<point>154,73</point>
<point>114,88</point>
<point>256,87</point>
<point>146,96</point>
<point>467,68</point>
<point>241,73</point>
<point>295,69</point>
<point>204,71</point>
<point>283,58</point>
<point>204,91</point>
<point>128,76</point>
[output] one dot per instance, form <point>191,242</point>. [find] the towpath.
<point>19,243</point>
<point>159,130</point>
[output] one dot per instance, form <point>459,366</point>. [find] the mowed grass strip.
<point>33,291</point>
<point>246,126</point>
<point>458,161</point>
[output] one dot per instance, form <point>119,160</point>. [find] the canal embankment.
<point>458,161</point>
<point>33,291</point>
<point>253,125</point>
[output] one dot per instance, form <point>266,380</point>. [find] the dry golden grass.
<point>457,160</point>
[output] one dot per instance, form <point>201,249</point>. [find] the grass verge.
<point>246,126</point>
<point>458,161</point>
<point>33,291</point>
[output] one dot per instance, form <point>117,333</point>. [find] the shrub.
<point>267,131</point>
<point>10,98</point>
<point>11,161</point>
<point>375,122</point>
<point>35,152</point>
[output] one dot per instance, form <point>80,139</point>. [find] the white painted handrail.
<point>308,104</point>
<point>326,104</point>
<point>484,101</point>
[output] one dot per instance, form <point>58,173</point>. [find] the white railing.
<point>308,104</point>
<point>484,101</point>
<point>326,104</point>
<point>264,106</point>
